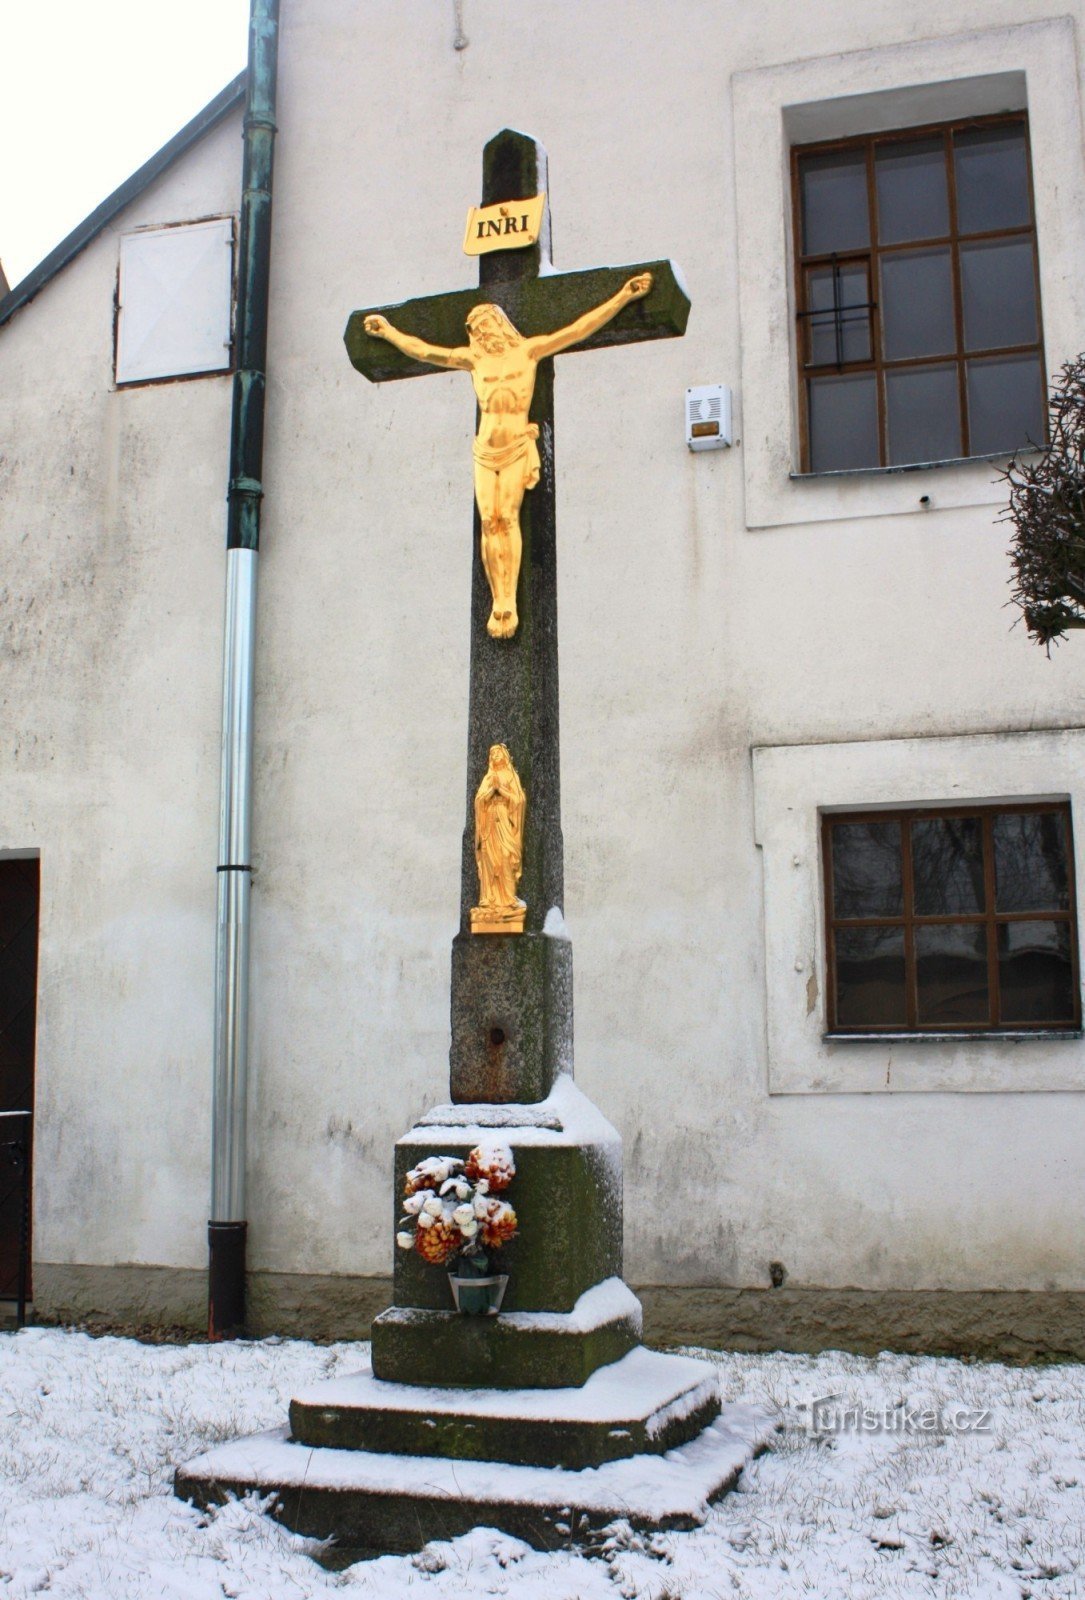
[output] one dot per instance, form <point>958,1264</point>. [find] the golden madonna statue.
<point>500,804</point>
<point>502,364</point>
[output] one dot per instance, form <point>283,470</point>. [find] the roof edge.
<point>89,229</point>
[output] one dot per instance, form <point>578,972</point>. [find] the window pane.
<point>992,179</point>
<point>866,869</point>
<point>834,202</point>
<point>947,866</point>
<point>951,974</point>
<point>843,422</point>
<point>913,200</point>
<point>998,287</point>
<point>1035,972</point>
<point>854,325</point>
<point>923,414</point>
<point>1005,404</point>
<point>1031,861</point>
<point>917,304</point>
<point>870,978</point>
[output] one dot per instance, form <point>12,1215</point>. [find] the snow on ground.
<point>92,1428</point>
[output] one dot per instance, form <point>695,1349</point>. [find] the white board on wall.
<point>174,295</point>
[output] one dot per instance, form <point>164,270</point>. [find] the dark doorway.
<point>18,1006</point>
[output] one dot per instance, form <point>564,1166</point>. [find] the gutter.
<point>227,1227</point>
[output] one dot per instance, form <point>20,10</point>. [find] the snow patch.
<point>478,1115</point>
<point>566,1117</point>
<point>554,925</point>
<point>603,1303</point>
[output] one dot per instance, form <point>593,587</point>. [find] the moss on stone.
<point>444,1348</point>
<point>570,1226</point>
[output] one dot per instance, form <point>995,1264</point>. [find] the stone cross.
<point>512,1008</point>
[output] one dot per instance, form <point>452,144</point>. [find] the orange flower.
<point>437,1243</point>
<point>498,1225</point>
<point>493,1163</point>
<point>431,1173</point>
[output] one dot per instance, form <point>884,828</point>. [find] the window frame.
<point>872,254</point>
<point>990,918</point>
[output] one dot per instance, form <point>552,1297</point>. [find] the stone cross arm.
<point>536,305</point>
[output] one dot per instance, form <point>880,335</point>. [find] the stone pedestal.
<point>548,1421</point>
<point>566,1310</point>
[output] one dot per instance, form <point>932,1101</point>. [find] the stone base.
<point>566,1310</point>
<point>369,1503</point>
<point>517,1350</point>
<point>644,1404</point>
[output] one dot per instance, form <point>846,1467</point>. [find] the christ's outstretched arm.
<point>434,355</point>
<point>551,344</point>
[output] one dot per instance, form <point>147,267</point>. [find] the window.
<point>174,291</point>
<point>951,920</point>
<point>919,334</point>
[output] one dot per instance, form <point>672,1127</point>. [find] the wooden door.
<point>18,1007</point>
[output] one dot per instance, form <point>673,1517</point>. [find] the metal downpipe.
<point>227,1226</point>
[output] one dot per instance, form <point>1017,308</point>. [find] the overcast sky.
<point>88,90</point>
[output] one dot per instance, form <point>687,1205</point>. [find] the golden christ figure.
<point>502,364</point>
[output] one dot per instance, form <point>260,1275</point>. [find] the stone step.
<point>516,1350</point>
<point>645,1403</point>
<point>368,1502</point>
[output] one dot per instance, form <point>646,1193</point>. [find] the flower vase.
<point>476,1291</point>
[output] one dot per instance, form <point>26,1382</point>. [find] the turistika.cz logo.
<point>830,1414</point>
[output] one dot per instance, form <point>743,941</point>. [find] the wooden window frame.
<point>990,918</point>
<point>872,254</point>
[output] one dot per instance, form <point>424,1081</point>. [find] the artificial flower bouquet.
<point>454,1208</point>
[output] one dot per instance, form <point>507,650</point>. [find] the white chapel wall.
<point>687,638</point>
<point>694,630</point>
<point>112,527</point>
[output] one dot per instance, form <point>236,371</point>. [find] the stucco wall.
<point>693,629</point>
<point>112,530</point>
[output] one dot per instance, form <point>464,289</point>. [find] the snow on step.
<point>678,1485</point>
<point>642,1384</point>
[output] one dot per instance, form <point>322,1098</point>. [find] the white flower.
<point>404,1240</point>
<point>463,1214</point>
<point>483,1186</point>
<point>434,1170</point>
<point>433,1206</point>
<point>425,1220</point>
<point>481,1206</point>
<point>463,1190</point>
<point>414,1203</point>
<point>468,1229</point>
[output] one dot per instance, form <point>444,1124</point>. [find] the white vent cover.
<point>173,301</point>
<point>708,417</point>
